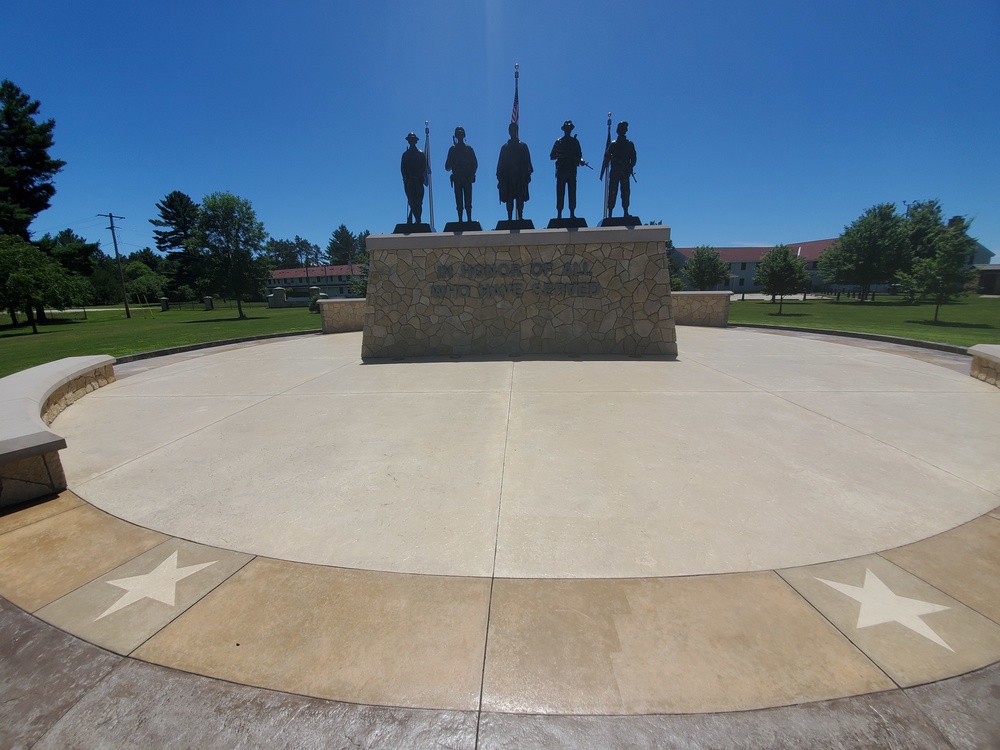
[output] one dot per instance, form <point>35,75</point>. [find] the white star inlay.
<point>159,584</point>
<point>880,605</point>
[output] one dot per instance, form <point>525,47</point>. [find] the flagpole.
<point>607,170</point>
<point>427,173</point>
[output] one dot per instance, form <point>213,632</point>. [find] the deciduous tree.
<point>779,273</point>
<point>705,269</point>
<point>869,251</point>
<point>30,279</point>
<point>233,241</point>
<point>26,170</point>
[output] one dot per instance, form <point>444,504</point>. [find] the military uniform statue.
<point>568,156</point>
<point>462,164</point>
<point>514,173</point>
<point>621,155</point>
<point>413,165</point>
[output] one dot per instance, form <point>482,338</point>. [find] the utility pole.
<point>121,274</point>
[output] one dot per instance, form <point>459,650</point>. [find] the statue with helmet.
<point>462,164</point>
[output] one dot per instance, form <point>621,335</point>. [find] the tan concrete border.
<point>29,401</point>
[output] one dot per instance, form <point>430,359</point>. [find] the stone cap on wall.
<point>525,238</point>
<point>22,398</point>
<point>989,352</point>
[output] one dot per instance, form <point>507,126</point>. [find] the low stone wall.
<point>74,390</point>
<point>342,315</point>
<point>29,401</point>
<point>548,291</point>
<point>702,308</point>
<point>986,363</point>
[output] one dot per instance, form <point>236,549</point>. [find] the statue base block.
<point>463,226</point>
<point>621,221</point>
<point>567,223</point>
<point>412,229</point>
<point>537,292</point>
<point>514,225</point>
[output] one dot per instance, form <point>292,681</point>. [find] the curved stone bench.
<point>29,401</point>
<point>986,363</point>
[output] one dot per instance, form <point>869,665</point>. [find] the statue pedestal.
<point>412,229</point>
<point>509,225</point>
<point>576,223</point>
<point>535,292</point>
<point>620,221</point>
<point>463,226</point>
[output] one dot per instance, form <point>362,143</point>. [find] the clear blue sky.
<point>755,122</point>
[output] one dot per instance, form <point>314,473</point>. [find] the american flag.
<point>607,151</point>
<point>514,112</point>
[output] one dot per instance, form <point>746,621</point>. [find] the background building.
<point>743,262</point>
<point>334,281</point>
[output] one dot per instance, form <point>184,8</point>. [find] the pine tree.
<point>342,247</point>
<point>26,171</point>
<point>179,217</point>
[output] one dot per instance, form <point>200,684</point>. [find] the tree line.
<point>216,247</point>
<point>925,256</point>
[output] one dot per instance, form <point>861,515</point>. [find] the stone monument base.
<point>546,291</point>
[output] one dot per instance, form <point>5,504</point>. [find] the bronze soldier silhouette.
<point>413,165</point>
<point>568,156</point>
<point>621,155</point>
<point>462,164</point>
<point>514,173</point>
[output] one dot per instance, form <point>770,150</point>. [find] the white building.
<point>334,281</point>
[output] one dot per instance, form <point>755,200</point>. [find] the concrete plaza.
<point>772,540</point>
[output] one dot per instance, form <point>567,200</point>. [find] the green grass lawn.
<point>972,320</point>
<point>110,332</point>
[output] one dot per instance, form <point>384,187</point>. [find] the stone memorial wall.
<point>585,291</point>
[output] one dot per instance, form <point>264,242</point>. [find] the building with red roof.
<point>743,262</point>
<point>333,281</point>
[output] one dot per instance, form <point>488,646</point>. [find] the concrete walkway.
<point>773,541</point>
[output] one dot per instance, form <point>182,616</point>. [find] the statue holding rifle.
<point>620,157</point>
<point>568,156</point>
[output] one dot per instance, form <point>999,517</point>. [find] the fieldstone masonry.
<point>986,363</point>
<point>74,390</point>
<point>585,291</point>
<point>702,308</point>
<point>340,315</point>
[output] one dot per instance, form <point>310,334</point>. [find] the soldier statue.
<point>568,156</point>
<point>413,165</point>
<point>621,155</point>
<point>514,173</point>
<point>462,164</point>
